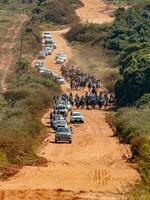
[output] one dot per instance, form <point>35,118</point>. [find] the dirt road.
<point>96,11</point>
<point>91,168</point>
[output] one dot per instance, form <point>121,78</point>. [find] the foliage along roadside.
<point>58,12</point>
<point>128,38</point>
<point>132,126</point>
<point>23,104</point>
<point>28,97</point>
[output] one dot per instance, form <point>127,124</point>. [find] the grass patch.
<point>132,125</point>
<point>59,12</point>
<point>29,95</point>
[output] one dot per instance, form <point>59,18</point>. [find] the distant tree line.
<point>130,38</point>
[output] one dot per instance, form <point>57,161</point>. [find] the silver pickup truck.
<point>63,134</point>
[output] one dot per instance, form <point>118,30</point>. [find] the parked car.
<point>76,117</point>
<point>60,55</point>
<point>68,105</point>
<point>60,60</point>
<point>63,134</point>
<point>46,34</point>
<point>42,70</point>
<point>41,55</point>
<point>59,79</point>
<point>45,50</point>
<point>49,50</point>
<point>39,63</point>
<point>48,40</point>
<point>54,119</point>
<point>49,45</point>
<point>61,109</point>
<point>59,123</point>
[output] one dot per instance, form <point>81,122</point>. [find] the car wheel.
<point>70,142</point>
<point>55,141</point>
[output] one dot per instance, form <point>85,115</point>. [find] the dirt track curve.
<point>91,168</point>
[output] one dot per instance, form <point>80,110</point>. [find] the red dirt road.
<point>96,11</point>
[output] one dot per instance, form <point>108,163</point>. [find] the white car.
<point>49,50</point>
<point>60,80</point>
<point>42,70</point>
<point>41,55</point>
<point>68,105</point>
<point>39,63</point>
<point>45,50</point>
<point>76,117</point>
<point>49,45</point>
<point>60,55</point>
<point>60,60</point>
<point>48,41</point>
<point>46,34</point>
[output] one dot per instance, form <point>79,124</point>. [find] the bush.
<point>29,95</point>
<point>144,101</point>
<point>132,125</point>
<point>87,33</point>
<point>129,38</point>
<point>59,12</point>
<point>23,65</point>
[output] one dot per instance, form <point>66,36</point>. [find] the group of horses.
<point>79,79</point>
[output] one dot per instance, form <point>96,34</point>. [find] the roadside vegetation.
<point>55,11</point>
<point>28,96</point>
<point>126,41</point>
<point>129,38</point>
<point>22,105</point>
<point>28,93</point>
<point>88,40</point>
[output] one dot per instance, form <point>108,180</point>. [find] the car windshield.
<point>76,114</point>
<point>63,129</point>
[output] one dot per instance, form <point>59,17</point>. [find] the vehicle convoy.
<point>58,118</point>
<point>63,134</point>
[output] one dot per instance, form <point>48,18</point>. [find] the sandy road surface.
<point>91,168</point>
<point>96,11</point>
